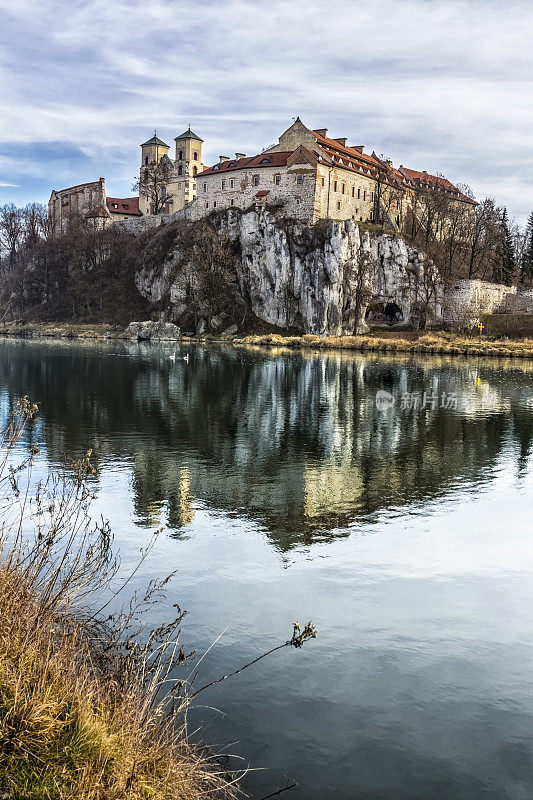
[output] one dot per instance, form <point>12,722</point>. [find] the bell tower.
<point>188,164</point>
<point>152,152</point>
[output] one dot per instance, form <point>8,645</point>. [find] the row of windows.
<point>361,193</point>
<point>255,181</point>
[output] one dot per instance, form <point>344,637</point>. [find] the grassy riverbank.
<point>394,342</point>
<point>441,342</point>
<point>86,710</point>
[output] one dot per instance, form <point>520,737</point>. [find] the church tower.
<point>180,184</point>
<point>152,152</point>
<point>188,164</point>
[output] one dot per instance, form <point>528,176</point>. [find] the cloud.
<point>440,85</point>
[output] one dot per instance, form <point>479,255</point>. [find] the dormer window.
<point>268,160</point>
<point>115,205</point>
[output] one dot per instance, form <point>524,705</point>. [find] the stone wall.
<point>465,301</point>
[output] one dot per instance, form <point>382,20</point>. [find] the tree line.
<point>88,273</point>
<point>85,274</point>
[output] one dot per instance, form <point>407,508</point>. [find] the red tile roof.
<point>125,205</point>
<point>425,180</point>
<point>262,193</point>
<point>251,162</point>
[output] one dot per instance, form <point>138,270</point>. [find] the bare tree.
<point>11,233</point>
<point>153,181</point>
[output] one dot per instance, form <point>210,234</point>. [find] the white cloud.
<point>439,85</point>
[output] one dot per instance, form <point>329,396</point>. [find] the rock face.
<point>330,278</point>
<point>149,330</point>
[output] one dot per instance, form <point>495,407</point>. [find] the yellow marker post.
<point>480,326</point>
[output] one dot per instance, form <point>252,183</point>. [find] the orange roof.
<point>426,180</point>
<point>124,205</point>
<point>265,159</point>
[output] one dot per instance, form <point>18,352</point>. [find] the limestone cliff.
<point>331,278</point>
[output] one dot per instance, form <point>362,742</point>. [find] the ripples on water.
<point>405,534</point>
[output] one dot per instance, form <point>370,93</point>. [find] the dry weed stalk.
<point>90,703</point>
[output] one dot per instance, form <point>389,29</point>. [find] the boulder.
<point>147,330</point>
<point>230,331</point>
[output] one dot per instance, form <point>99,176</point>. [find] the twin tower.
<point>171,188</point>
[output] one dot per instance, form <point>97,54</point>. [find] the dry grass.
<point>438,342</point>
<point>86,707</point>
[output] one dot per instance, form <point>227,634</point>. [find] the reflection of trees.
<point>294,441</point>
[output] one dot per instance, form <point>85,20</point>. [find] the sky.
<point>441,86</point>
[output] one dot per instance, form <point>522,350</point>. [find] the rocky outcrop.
<point>331,278</point>
<point>149,330</point>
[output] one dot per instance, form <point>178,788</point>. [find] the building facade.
<point>88,201</point>
<point>310,175</point>
<point>315,177</point>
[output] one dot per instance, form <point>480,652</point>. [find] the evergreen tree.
<point>526,266</point>
<point>506,262</point>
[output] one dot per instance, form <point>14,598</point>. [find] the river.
<point>387,499</point>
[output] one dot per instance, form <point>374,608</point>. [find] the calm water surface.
<point>405,534</point>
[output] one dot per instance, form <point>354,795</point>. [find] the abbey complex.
<point>308,174</point>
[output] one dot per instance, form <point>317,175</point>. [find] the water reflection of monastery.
<point>296,442</point>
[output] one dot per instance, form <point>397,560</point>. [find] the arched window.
<point>146,160</point>
<point>195,155</point>
<point>180,156</point>
<point>195,171</point>
<point>180,170</point>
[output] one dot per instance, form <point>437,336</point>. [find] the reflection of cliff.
<point>294,441</point>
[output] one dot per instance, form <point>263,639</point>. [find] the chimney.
<point>359,147</point>
<point>322,132</point>
<point>224,158</point>
<point>240,155</point>
<point>342,141</point>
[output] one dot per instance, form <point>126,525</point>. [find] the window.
<point>146,160</point>
<point>364,195</point>
<point>115,205</point>
<point>205,187</point>
<point>371,216</point>
<point>180,155</point>
<point>231,201</point>
<point>277,179</point>
<point>223,184</point>
<point>195,171</point>
<point>267,160</point>
<point>300,180</point>
<point>215,204</point>
<point>359,194</point>
<point>255,180</point>
<point>231,183</point>
<point>343,187</point>
<point>195,156</point>
<point>372,198</point>
<point>180,170</point>
<point>322,181</point>
<point>338,205</point>
<point>207,205</point>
